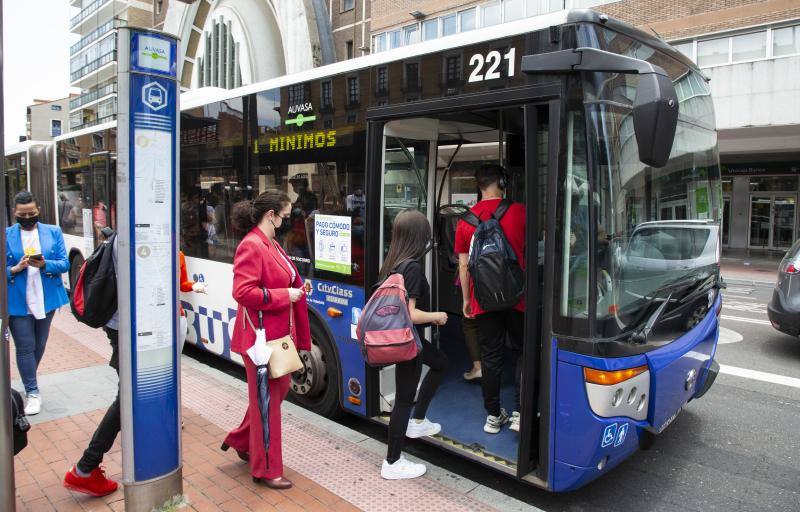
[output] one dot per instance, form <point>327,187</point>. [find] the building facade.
<point>46,119</point>
<point>93,59</point>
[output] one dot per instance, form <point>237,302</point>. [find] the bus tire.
<point>316,386</point>
<point>75,264</point>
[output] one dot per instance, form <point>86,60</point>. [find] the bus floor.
<point>458,404</point>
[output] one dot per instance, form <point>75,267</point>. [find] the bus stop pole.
<point>147,192</point>
<point>7,497</point>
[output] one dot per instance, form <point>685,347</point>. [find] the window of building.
<point>773,183</point>
<point>786,41</point>
<point>55,108</point>
<point>298,94</point>
<point>513,10</point>
<point>491,14</point>
<point>449,25</point>
<point>686,49</point>
<point>536,7</point>
<point>394,39</point>
<point>749,46</point>
<point>327,95</point>
<point>352,90</point>
<point>348,5</point>
<point>412,76</point>
<point>382,82</point>
<point>379,42</point>
<point>411,34</point>
<point>348,49</point>
<point>97,141</point>
<point>159,7</point>
<point>467,19</point>
<point>453,69</point>
<point>713,52</point>
<point>55,127</point>
<point>219,64</point>
<point>430,29</point>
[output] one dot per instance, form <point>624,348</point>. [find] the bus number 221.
<point>492,61</point>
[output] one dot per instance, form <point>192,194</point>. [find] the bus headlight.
<point>618,392</point>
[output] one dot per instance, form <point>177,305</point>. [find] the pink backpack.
<point>385,331</point>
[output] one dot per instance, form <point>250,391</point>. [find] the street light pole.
<point>7,498</point>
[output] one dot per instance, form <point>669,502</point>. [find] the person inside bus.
<point>411,236</point>
<point>66,215</point>
<point>35,259</point>
<point>494,327</point>
<point>265,281</point>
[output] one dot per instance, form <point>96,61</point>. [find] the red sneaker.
<point>96,484</point>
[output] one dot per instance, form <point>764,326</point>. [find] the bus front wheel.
<point>316,386</point>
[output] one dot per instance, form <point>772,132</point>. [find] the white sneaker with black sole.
<point>422,428</point>
<point>402,469</point>
<point>34,405</point>
<point>493,423</point>
<point>514,423</point>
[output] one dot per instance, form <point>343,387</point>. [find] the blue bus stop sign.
<point>147,188</point>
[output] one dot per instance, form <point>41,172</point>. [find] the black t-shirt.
<point>417,287</point>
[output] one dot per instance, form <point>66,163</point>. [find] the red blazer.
<point>259,265</point>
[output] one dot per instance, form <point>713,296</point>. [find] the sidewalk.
<point>751,265</point>
<point>333,468</point>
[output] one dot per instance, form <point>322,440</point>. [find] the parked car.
<point>783,309</point>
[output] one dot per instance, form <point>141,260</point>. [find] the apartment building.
<point>45,119</point>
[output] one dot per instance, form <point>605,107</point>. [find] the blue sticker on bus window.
<point>609,434</point>
<point>621,433</point>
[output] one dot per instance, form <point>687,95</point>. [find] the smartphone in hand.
<point>37,257</point>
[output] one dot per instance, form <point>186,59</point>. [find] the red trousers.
<point>248,436</point>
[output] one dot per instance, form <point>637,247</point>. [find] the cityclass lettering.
<point>335,290</point>
<point>305,107</point>
<point>300,141</point>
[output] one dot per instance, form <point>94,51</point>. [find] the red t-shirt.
<point>513,224</point>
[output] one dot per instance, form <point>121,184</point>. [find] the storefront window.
<point>773,183</point>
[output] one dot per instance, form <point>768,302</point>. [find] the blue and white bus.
<point>608,137</point>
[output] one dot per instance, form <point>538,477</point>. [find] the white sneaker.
<point>473,374</point>
<point>514,422</point>
<point>34,405</point>
<point>493,423</point>
<point>402,469</point>
<point>421,429</point>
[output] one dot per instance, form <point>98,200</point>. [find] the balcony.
<point>101,63</point>
<point>99,11</point>
<point>92,96</point>
<point>92,37</point>
<point>98,114</point>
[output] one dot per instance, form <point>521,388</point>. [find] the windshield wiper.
<point>639,336</point>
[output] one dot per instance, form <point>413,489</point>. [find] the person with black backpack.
<point>490,244</point>
<point>87,476</point>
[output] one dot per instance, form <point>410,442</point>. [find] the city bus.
<point>607,137</point>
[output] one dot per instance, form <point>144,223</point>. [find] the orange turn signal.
<point>608,378</point>
<point>334,313</point>
<point>354,400</point>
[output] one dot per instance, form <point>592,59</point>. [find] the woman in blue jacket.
<point>35,259</point>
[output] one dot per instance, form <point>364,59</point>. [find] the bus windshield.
<point>650,233</point>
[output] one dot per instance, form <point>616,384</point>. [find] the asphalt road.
<point>736,449</point>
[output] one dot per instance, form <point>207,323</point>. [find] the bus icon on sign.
<point>154,95</point>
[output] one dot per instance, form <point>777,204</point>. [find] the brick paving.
<point>330,473</point>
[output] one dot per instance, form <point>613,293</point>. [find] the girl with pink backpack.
<point>411,233</point>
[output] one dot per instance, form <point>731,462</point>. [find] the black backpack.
<point>94,297</point>
<point>498,280</point>
<point>19,423</point>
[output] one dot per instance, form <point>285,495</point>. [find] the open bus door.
<point>428,163</point>
<point>103,194</point>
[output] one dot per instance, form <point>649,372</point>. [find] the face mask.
<point>28,223</point>
<point>284,228</point>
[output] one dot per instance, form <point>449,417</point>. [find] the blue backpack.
<point>498,279</point>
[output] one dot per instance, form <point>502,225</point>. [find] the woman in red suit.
<point>264,279</point>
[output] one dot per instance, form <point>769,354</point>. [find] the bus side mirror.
<point>655,107</point>
<point>655,118</point>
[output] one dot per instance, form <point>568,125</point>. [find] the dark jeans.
<point>107,430</point>
<point>30,338</point>
<point>494,329</point>
<point>406,377</point>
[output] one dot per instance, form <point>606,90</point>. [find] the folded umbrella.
<point>260,353</point>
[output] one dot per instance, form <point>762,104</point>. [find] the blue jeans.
<point>30,338</point>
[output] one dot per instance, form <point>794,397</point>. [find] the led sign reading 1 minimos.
<point>308,140</point>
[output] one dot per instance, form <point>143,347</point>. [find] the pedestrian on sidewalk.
<point>265,280</point>
<point>35,259</point>
<point>411,235</point>
<point>87,476</point>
